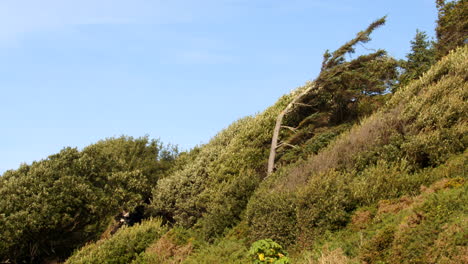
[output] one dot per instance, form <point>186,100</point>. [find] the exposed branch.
<point>285,144</point>
<point>293,129</point>
<point>332,59</point>
<point>301,104</point>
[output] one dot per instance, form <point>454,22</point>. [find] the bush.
<point>123,247</point>
<point>323,204</point>
<point>272,215</point>
<point>55,205</point>
<point>228,203</point>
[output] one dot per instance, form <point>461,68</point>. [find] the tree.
<point>419,60</point>
<point>452,25</point>
<point>339,87</point>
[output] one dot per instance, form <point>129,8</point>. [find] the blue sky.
<point>75,72</point>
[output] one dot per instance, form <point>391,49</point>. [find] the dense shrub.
<point>272,214</point>
<point>381,164</point>
<point>324,204</point>
<point>319,139</point>
<point>227,205</point>
<point>55,205</point>
<point>121,248</point>
<point>390,154</point>
<point>424,123</point>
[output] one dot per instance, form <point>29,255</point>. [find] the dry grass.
<point>110,230</point>
<point>424,107</point>
<point>328,256</point>
<point>373,131</point>
<point>444,251</point>
<point>360,219</point>
<point>387,206</point>
<point>166,251</point>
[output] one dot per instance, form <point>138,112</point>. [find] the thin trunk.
<point>278,125</point>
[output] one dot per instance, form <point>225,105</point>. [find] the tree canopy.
<point>419,60</point>
<point>452,25</point>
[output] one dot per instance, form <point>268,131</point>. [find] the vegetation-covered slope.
<point>360,175</point>
<point>392,188</point>
<point>390,154</point>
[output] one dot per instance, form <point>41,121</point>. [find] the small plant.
<point>268,251</point>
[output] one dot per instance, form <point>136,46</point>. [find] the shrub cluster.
<point>52,206</point>
<point>121,248</point>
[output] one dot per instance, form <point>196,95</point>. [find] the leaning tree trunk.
<point>278,125</point>
<point>330,61</point>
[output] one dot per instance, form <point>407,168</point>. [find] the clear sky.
<point>73,72</point>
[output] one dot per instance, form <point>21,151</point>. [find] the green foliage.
<point>452,25</point>
<point>123,247</point>
<point>324,204</point>
<point>272,215</point>
<point>376,249</point>
<point>228,203</point>
<point>344,92</point>
<point>419,60</point>
<point>55,205</point>
<point>347,82</point>
<point>351,81</point>
<point>319,140</point>
<point>213,189</point>
<point>337,57</point>
<point>127,166</point>
<point>268,251</point>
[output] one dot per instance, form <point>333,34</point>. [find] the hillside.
<point>369,166</point>
<point>390,188</point>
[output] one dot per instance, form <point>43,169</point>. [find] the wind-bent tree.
<point>340,86</point>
